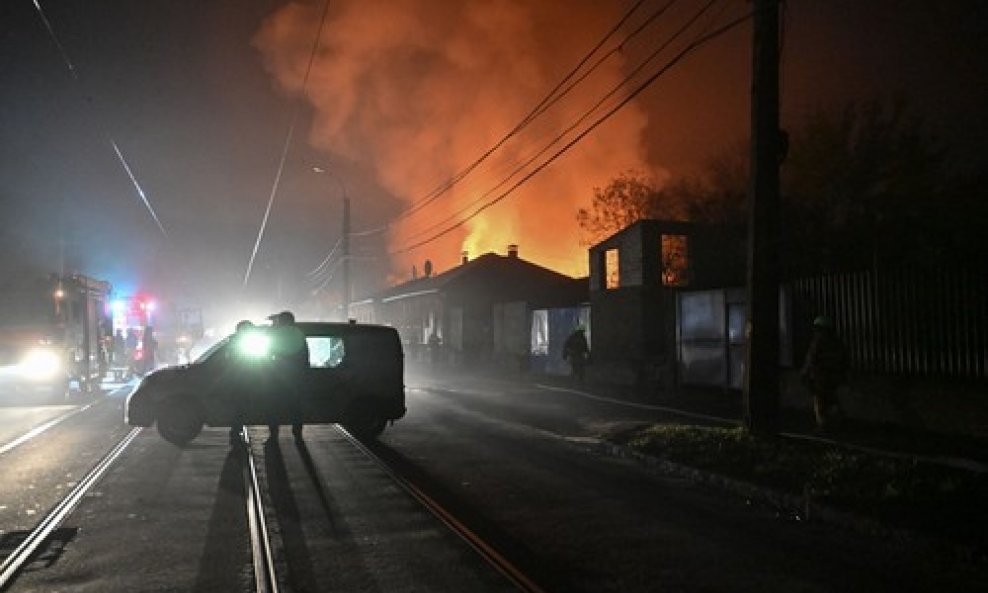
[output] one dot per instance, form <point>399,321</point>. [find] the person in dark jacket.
<point>825,370</point>
<point>119,349</point>
<point>149,347</point>
<point>290,355</point>
<point>577,352</point>
<point>245,331</point>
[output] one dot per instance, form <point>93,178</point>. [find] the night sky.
<point>199,96</point>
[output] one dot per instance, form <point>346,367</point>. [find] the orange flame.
<point>419,89</point>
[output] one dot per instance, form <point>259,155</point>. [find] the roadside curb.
<point>797,508</point>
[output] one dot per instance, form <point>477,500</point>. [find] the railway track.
<point>264,548</point>
<point>486,551</point>
<point>264,565</point>
<point>22,555</point>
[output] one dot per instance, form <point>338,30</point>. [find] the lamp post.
<point>344,243</point>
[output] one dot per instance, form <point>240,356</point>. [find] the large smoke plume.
<point>418,89</point>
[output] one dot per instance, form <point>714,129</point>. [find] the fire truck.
<point>132,345</point>
<point>53,336</point>
<point>141,323</point>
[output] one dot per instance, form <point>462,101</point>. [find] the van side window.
<point>325,351</point>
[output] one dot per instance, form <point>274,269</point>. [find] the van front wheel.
<point>179,421</point>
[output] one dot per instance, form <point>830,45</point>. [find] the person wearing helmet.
<point>290,355</point>
<point>824,370</point>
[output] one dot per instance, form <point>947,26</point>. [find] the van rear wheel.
<point>363,422</point>
<point>179,421</point>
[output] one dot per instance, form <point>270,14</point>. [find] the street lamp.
<point>321,171</point>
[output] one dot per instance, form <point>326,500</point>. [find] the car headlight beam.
<point>254,345</point>
<point>40,363</point>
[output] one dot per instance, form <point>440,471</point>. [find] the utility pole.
<point>761,381</point>
<point>346,258</point>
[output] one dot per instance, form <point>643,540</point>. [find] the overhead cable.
<point>323,263</point>
<point>540,108</point>
<point>586,115</point>
<point>116,148</point>
<point>550,99</point>
<point>137,186</point>
<point>689,49</point>
<point>287,145</point>
<point>330,272</point>
<point>58,44</point>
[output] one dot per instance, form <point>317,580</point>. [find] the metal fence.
<point>909,322</point>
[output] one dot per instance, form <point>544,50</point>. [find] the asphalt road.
<point>513,461</point>
<point>519,459</point>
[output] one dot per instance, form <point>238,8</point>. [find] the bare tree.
<point>863,186</point>
<point>630,197</point>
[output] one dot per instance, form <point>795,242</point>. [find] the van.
<point>354,376</point>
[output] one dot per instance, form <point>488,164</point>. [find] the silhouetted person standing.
<point>130,345</point>
<point>577,352</point>
<point>824,370</point>
<point>149,347</point>
<point>243,363</point>
<point>290,355</point>
<point>119,348</point>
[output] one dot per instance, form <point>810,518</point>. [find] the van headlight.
<point>254,345</point>
<point>40,364</point>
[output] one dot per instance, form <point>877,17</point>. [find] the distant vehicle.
<point>355,377</point>
<point>33,366</point>
<point>53,333</point>
<point>132,316</point>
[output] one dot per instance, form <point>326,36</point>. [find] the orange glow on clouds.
<point>419,89</point>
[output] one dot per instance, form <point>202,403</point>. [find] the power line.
<point>140,190</point>
<point>58,44</point>
<point>559,137</point>
<point>116,148</point>
<point>318,276</point>
<point>287,145</point>
<point>330,271</point>
<point>690,48</point>
<point>332,251</point>
<point>550,99</point>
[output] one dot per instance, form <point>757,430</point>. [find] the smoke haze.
<point>419,89</point>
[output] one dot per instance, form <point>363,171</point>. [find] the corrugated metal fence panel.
<point>903,322</point>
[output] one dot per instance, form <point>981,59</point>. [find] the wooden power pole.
<point>761,381</point>
<point>346,258</point>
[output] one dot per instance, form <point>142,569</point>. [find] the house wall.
<point>415,318</point>
<point>634,324</point>
<point>511,334</point>
<point>716,254</point>
<point>479,312</point>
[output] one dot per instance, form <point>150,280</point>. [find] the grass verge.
<point>901,492</point>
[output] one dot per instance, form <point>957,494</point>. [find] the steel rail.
<point>485,550</point>
<point>265,577</point>
<point>21,556</point>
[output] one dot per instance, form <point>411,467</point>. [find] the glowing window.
<point>612,269</point>
<point>325,351</point>
<point>675,260</point>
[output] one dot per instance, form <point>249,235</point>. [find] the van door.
<point>326,392</point>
